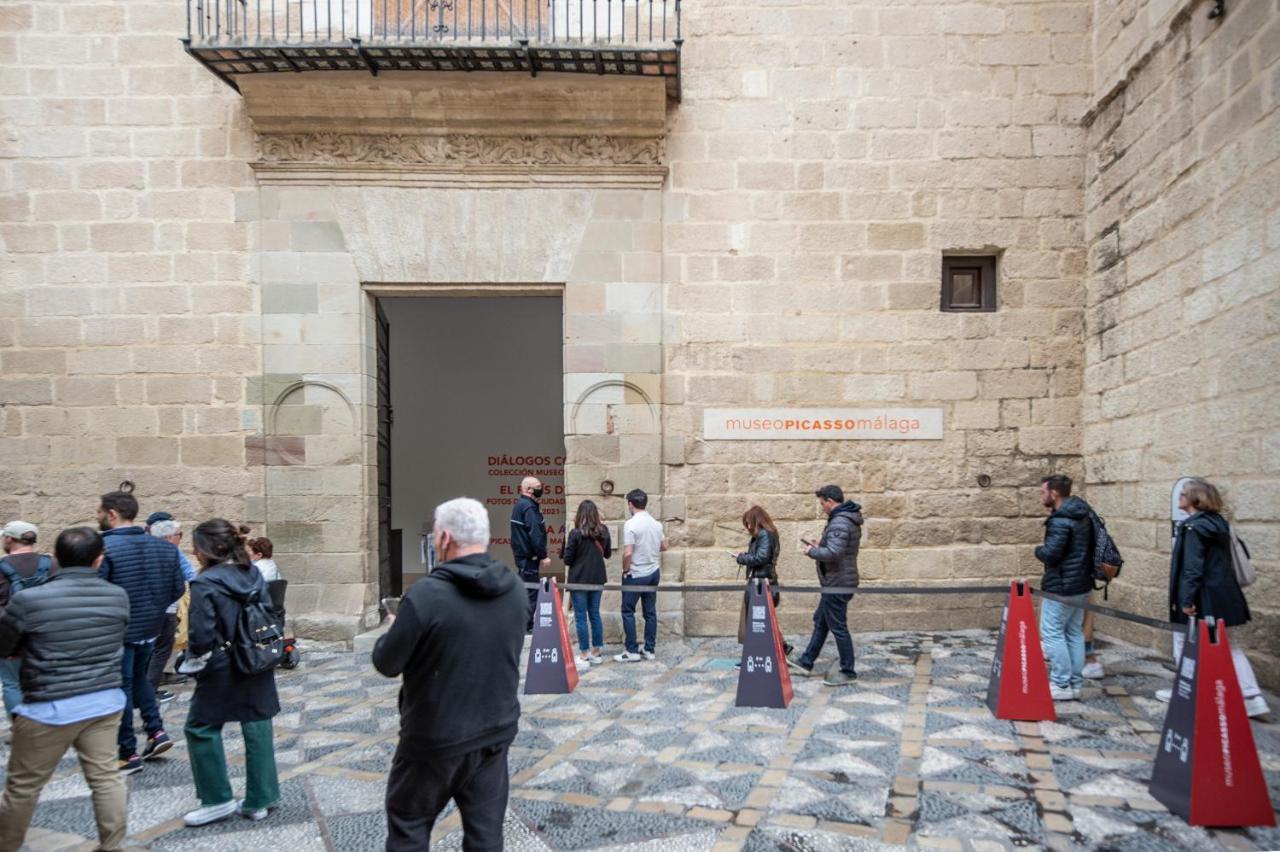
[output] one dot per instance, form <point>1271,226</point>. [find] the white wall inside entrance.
<point>477,388</point>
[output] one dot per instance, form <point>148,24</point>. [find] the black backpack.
<point>1107,560</point>
<point>17,582</point>
<point>258,645</point>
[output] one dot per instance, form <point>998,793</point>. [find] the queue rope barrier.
<point>1107,611</point>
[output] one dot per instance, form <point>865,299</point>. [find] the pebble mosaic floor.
<point>654,756</point>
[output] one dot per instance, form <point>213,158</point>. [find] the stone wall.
<point>822,161</point>
<point>130,327</point>
<point>1183,324</point>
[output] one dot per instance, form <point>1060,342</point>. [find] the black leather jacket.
<point>761,558</point>
<point>1067,552</point>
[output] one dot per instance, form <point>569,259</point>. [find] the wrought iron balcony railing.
<point>627,37</point>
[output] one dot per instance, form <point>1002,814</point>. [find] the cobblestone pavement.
<point>655,756</point>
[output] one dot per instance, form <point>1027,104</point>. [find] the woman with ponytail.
<point>226,582</point>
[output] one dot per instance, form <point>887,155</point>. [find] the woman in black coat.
<point>1202,580</point>
<point>761,561</point>
<point>226,580</point>
<point>585,550</point>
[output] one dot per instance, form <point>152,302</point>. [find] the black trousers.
<point>418,790</point>
<point>529,572</point>
<point>164,647</point>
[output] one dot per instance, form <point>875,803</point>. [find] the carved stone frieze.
<point>458,150</point>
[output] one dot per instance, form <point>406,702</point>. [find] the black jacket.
<point>837,551</point>
<point>528,531</point>
<point>70,632</point>
<point>457,642</point>
<point>1201,573</point>
<point>1067,552</point>
<point>149,570</point>
<point>586,558</point>
<point>761,558</point>
<point>222,693</point>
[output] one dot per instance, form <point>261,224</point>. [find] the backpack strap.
<point>11,574</point>
<point>43,568</point>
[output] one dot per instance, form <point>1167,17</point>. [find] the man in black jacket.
<point>529,540</point>
<point>836,555</point>
<point>150,571</point>
<point>457,641</point>
<point>1067,554</point>
<point>69,632</point>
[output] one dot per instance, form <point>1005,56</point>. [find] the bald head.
<point>531,486</point>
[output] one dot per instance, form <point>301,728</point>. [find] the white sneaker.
<point>595,658</point>
<point>1079,693</point>
<point>648,655</point>
<point>1062,693</point>
<point>1164,695</point>
<point>1093,671</point>
<point>582,662</point>
<point>209,813</point>
<point>628,657</point>
<point>1256,707</point>
<point>253,816</point>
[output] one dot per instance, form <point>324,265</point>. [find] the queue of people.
<point>83,628</point>
<point>85,635</point>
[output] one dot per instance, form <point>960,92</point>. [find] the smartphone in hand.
<point>391,605</point>
<point>806,542</point>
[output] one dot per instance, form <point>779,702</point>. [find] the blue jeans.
<point>649,603</point>
<point>831,616</point>
<point>1062,633</point>
<point>586,607</point>
<point>139,693</point>
<point>12,688</point>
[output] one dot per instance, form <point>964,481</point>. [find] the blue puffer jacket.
<point>149,570</point>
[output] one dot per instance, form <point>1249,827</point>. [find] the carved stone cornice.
<point>458,150</point>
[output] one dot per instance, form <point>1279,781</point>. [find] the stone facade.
<point>1182,345</point>
<point>189,276</point>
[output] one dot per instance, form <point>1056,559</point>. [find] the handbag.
<point>1240,561</point>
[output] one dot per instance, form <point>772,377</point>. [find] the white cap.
<point>21,531</point>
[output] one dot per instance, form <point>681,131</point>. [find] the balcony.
<point>630,38</point>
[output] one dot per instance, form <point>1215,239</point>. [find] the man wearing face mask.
<point>457,641</point>
<point>529,540</point>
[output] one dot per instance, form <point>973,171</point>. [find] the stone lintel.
<point>442,104</point>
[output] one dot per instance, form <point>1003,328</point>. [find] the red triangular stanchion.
<point>763,680</point>
<point>551,670</point>
<point>1207,769</point>
<point>1019,685</point>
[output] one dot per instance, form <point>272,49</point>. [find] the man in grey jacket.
<point>836,555</point>
<point>69,632</point>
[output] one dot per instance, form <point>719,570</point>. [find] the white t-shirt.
<point>267,568</point>
<point>644,534</point>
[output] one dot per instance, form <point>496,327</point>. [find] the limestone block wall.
<point>327,251</point>
<point>1183,324</point>
<point>823,159</point>
<point>130,327</point>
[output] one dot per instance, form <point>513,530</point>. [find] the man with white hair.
<point>457,640</point>
<point>165,526</point>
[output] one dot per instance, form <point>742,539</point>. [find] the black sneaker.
<point>164,696</point>
<point>157,746</point>
<point>129,765</point>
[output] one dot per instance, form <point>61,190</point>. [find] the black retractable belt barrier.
<point>1109,612</point>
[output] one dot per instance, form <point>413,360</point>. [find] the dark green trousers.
<point>209,764</point>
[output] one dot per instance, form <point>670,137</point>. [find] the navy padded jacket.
<point>148,569</point>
